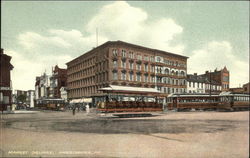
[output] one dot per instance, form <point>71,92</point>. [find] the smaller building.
<point>57,80</point>
<point>5,81</point>
<point>221,77</point>
<point>42,87</point>
<point>202,84</point>
<point>63,91</point>
<point>246,88</point>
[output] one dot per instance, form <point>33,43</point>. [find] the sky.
<point>40,34</point>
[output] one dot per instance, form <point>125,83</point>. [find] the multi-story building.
<point>5,81</point>
<point>221,77</point>
<point>42,87</point>
<point>201,84</point>
<point>57,80</point>
<point>125,64</point>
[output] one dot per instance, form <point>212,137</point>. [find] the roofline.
<point>132,45</point>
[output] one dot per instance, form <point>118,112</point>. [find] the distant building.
<point>30,98</point>
<point>221,77</point>
<point>125,64</point>
<point>5,81</point>
<point>64,93</point>
<point>18,93</point>
<point>236,90</point>
<point>246,88</point>
<point>57,80</point>
<point>42,87</point>
<point>201,84</point>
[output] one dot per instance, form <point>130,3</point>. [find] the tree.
<point>21,98</point>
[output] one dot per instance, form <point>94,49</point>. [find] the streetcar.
<point>186,102</point>
<point>51,104</point>
<point>223,101</point>
<point>129,99</point>
<point>234,101</point>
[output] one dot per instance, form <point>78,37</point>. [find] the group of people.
<point>78,109</point>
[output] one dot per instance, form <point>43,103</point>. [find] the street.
<point>169,134</point>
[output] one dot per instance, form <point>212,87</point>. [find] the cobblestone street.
<point>186,134</point>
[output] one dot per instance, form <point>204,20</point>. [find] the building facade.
<point>64,93</point>
<point>246,88</point>
<point>201,84</point>
<point>5,81</point>
<point>125,64</point>
<point>221,77</point>
<point>57,80</point>
<point>42,87</point>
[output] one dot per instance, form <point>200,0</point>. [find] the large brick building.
<point>5,81</point>
<point>57,80</point>
<point>221,77</point>
<point>125,64</point>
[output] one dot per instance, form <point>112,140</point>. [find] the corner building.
<point>125,64</point>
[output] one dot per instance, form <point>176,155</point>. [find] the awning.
<point>82,100</point>
<point>127,88</point>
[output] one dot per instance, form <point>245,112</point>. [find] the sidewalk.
<point>19,112</point>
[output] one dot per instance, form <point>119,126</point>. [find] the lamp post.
<point>210,84</point>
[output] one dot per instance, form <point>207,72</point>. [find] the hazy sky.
<point>39,35</point>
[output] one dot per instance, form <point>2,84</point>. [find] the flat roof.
<point>131,45</point>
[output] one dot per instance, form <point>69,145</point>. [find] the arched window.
<point>176,73</point>
<point>182,73</point>
<point>172,72</point>
<point>166,71</point>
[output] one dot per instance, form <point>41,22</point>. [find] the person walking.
<point>87,108</point>
<point>74,110</point>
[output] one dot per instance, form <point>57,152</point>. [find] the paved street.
<point>182,134</point>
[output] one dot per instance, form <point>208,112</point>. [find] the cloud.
<point>120,21</point>
<point>115,21</point>
<point>217,54</point>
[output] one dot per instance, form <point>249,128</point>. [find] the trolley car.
<point>51,104</point>
<point>222,101</point>
<point>234,101</point>
<point>182,102</point>
<point>133,100</point>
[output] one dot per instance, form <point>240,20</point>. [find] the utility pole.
<point>96,37</point>
<point>210,84</point>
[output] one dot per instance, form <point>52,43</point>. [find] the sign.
<point>5,88</point>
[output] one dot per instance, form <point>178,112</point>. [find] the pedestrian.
<point>78,108</point>
<point>74,110</point>
<point>87,108</point>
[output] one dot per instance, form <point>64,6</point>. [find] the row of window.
<point>138,56</point>
<point>171,90</point>
<point>84,63</point>
<point>85,72</point>
<point>203,86</point>
<point>79,92</point>
<point>147,78</point>
<point>146,68</point>
<point>225,86</point>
